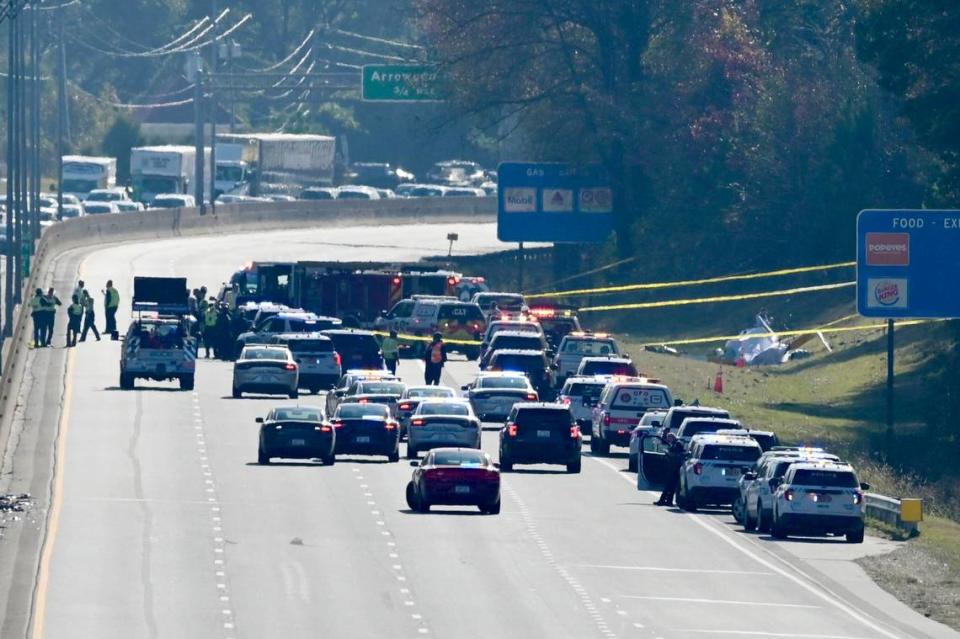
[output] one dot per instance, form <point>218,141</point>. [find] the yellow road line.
<point>807,331</point>
<point>56,505</point>
<point>719,298</point>
<point>707,280</point>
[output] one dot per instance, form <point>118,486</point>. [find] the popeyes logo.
<point>888,249</point>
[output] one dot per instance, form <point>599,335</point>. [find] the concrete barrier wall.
<point>96,230</point>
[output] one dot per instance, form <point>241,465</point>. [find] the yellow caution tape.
<point>708,280</point>
<point>719,298</point>
<point>808,331</point>
<point>429,338</point>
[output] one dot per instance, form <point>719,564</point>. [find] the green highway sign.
<point>400,83</point>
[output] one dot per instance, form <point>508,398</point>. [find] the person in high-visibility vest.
<point>210,327</point>
<point>111,301</point>
<point>74,317</point>
<point>390,347</point>
<point>49,309</point>
<point>36,312</point>
<point>434,359</point>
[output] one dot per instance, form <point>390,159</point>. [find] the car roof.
<point>314,335</point>
<point>517,351</point>
<point>822,465</point>
<point>535,334</point>
<point>347,331</point>
<point>702,410</point>
<point>445,400</point>
<point>588,336</point>
<point>711,420</point>
<point>297,314</point>
<point>607,358</point>
<point>639,384</point>
<point>548,405</point>
<point>488,374</point>
<point>729,440</point>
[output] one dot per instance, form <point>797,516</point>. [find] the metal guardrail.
<point>902,514</point>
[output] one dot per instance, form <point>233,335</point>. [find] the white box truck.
<point>84,173</point>
<point>281,162</point>
<point>164,169</point>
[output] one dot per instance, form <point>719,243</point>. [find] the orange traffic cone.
<point>718,382</point>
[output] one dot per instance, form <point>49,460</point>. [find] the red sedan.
<point>455,477</point>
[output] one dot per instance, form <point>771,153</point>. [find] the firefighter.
<point>74,317</point>
<point>434,359</point>
<point>111,301</point>
<point>210,327</point>
<point>390,347</point>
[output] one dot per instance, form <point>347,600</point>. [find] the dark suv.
<point>540,433</point>
<point>358,349</point>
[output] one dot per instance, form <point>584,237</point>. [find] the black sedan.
<point>296,432</point>
<point>366,429</point>
<point>455,477</point>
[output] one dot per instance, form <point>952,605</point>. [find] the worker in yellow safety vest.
<point>111,301</point>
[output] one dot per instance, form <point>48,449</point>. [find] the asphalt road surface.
<point>165,526</point>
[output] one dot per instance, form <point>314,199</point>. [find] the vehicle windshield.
<point>585,391</point>
<point>444,408</point>
<point>168,203</point>
<point>521,363</point>
<point>827,478</point>
<point>310,345</point>
<point>157,184</point>
<point>590,347</point>
<point>79,186</point>
<point>380,388</point>
<point>229,173</point>
<point>503,382</point>
<point>730,453</point>
<point>360,411</point>
<point>459,458</point>
<point>104,196</point>
<point>97,208</point>
<point>353,343</point>
<point>308,325</point>
<point>629,398</point>
<point>264,353</point>
<point>298,414</point>
<point>546,417</point>
<point>516,342</point>
<point>430,392</point>
<point>694,427</point>
<point>505,302</point>
<point>609,368</point>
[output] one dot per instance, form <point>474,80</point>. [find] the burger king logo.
<point>887,293</point>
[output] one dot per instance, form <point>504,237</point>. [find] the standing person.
<point>111,301</point>
<point>390,347</point>
<point>80,291</point>
<point>210,328</point>
<point>50,304</point>
<point>434,359</point>
<point>674,461</point>
<point>222,349</point>
<point>36,312</point>
<point>89,317</point>
<point>74,317</point>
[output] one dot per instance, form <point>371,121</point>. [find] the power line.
<point>392,43</point>
<point>287,59</point>
<point>371,54</point>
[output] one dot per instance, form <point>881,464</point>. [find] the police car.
<point>158,344</point>
<point>622,404</point>
<point>754,507</point>
<point>819,497</point>
<point>711,472</point>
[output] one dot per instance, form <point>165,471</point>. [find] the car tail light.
<point>532,397</point>
<point>606,420</point>
<point>405,406</point>
<point>698,469</point>
<point>565,401</point>
<point>417,422</point>
<point>326,428</point>
<point>364,401</point>
<point>788,494</point>
<point>574,431</point>
<point>391,425</point>
<point>512,429</point>
<point>857,498</point>
<point>291,367</point>
<point>622,432</point>
<point>337,359</point>
<point>337,423</point>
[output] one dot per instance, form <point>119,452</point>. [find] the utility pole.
<point>890,378</point>
<point>35,130</point>
<point>20,199</point>
<point>11,177</point>
<point>61,110</point>
<point>198,133</point>
<point>214,54</point>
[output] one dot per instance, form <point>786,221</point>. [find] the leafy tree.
<point>120,138</point>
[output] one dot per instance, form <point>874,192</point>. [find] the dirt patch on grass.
<point>923,574</point>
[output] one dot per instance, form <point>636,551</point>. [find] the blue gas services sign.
<point>908,264</point>
<point>548,202</point>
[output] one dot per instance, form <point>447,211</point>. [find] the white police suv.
<point>817,498</point>
<point>711,472</point>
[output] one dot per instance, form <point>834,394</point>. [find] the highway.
<point>162,525</point>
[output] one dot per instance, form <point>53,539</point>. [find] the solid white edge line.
<point>820,594</point>
<point>695,571</point>
<point>725,602</point>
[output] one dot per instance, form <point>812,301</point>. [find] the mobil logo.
<point>887,293</point>
<point>520,200</point>
<point>888,249</point>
